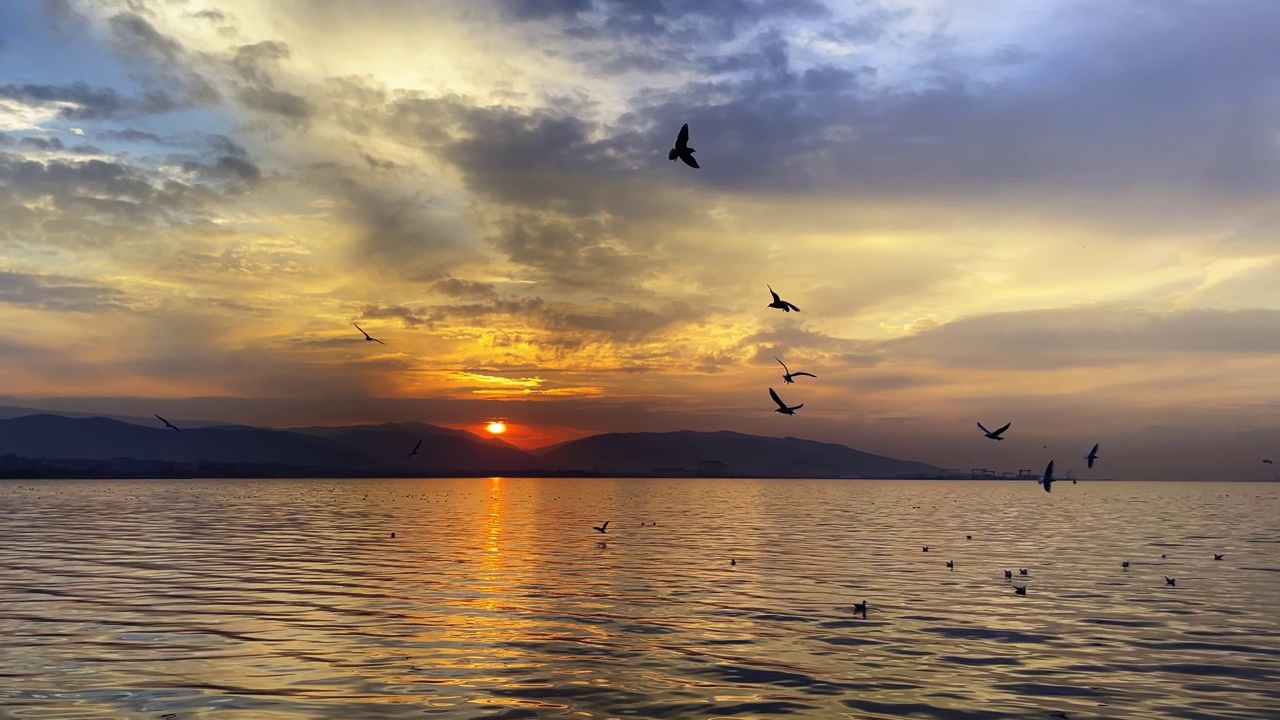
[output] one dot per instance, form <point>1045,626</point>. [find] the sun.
<point>496,427</point>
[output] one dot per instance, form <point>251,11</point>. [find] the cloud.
<point>55,293</point>
<point>466,289</point>
<point>79,101</point>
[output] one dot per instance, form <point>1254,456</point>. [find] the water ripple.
<point>284,599</point>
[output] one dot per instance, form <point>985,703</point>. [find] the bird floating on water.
<point>968,537</point>
<point>167,423</point>
<point>924,549</point>
<point>1172,582</point>
<point>414,451</point>
<point>994,434</point>
<point>861,608</point>
<point>1024,571</point>
<point>782,407</point>
<point>1047,479</point>
<point>393,533</point>
<point>1008,574</point>
<point>682,149</point>
<point>601,528</point>
<point>1020,589</point>
<point>1216,556</point>
<point>951,565</point>
<point>1092,455</point>
<point>1125,565</point>
<point>779,303</point>
<point>732,561</point>
<point>367,336</point>
<point>788,374</point>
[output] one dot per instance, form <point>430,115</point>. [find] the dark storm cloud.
<point>468,289</point>
<point>171,63</point>
<point>131,136</point>
<point>226,167</point>
<point>277,102</point>
<point>89,103</point>
<point>1098,335</point>
<point>711,19</point>
<point>1166,101</point>
<point>570,252</point>
<point>56,293</point>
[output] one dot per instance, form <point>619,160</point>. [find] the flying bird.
<point>779,303</point>
<point>682,149</point>
<point>787,377</point>
<point>1047,480</point>
<point>601,528</point>
<point>1092,455</point>
<point>367,336</point>
<point>167,423</point>
<point>782,407</point>
<point>414,451</point>
<point>994,434</point>
<point>1267,461</point>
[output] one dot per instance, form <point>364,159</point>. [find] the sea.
<point>704,598</point>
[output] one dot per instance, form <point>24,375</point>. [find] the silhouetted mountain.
<point>417,429</point>
<point>443,449</point>
<point>641,453</point>
<point>99,438</point>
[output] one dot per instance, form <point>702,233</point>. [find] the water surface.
<point>290,599</point>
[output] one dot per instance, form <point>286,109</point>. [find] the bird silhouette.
<point>968,537</point>
<point>951,565</point>
<point>788,374</point>
<point>1008,574</point>
<point>779,303</point>
<point>860,608</point>
<point>367,336</point>
<point>414,451</point>
<point>1172,582</point>
<point>1092,455</point>
<point>994,434</point>
<point>167,423</point>
<point>732,561</point>
<point>782,407</point>
<point>1216,556</point>
<point>924,549</point>
<point>601,528</point>
<point>1020,589</point>
<point>682,149</point>
<point>1267,461</point>
<point>393,533</point>
<point>1125,564</point>
<point>1024,571</point>
<point>1047,480</point>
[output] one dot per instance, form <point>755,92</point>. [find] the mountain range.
<point>40,442</point>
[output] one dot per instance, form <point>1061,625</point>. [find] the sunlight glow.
<point>497,427</point>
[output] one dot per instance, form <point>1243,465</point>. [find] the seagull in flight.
<point>414,451</point>
<point>1092,455</point>
<point>1047,480</point>
<point>682,149</point>
<point>787,377</point>
<point>367,337</point>
<point>167,423</point>
<point>779,303</point>
<point>601,528</point>
<point>782,407</point>
<point>1267,461</point>
<point>994,434</point>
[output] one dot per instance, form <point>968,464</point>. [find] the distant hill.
<point>443,449</point>
<point>98,446</point>
<point>99,438</point>
<point>754,455</point>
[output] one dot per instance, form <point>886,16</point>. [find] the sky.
<point>1058,214</point>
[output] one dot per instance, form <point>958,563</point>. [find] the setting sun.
<point>497,427</point>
